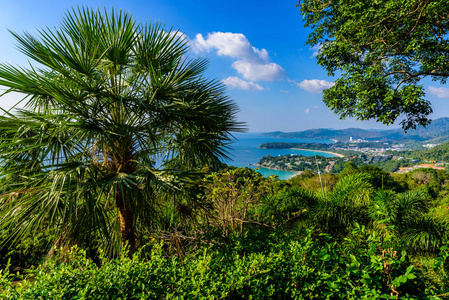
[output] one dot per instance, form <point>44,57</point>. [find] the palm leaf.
<point>110,99</point>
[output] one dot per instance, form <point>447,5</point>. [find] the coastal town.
<point>385,155</point>
<point>295,162</point>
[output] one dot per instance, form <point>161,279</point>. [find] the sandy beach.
<point>320,151</point>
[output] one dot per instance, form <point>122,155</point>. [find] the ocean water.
<point>246,152</point>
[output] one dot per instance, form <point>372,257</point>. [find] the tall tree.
<point>115,112</point>
<point>381,49</point>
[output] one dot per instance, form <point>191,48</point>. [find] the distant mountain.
<point>437,132</point>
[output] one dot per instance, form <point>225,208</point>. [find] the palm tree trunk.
<point>126,225</point>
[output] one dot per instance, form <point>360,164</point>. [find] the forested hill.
<point>437,131</point>
<point>437,153</point>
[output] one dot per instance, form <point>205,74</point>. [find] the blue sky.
<point>257,48</point>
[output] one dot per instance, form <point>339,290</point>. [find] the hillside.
<point>438,153</point>
<point>436,132</point>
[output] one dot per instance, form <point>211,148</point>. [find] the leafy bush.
<point>302,267</point>
<point>30,251</point>
<point>347,203</point>
<point>288,205</point>
<point>231,195</point>
<point>425,234</point>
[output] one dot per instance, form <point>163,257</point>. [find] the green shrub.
<point>288,205</point>
<point>302,267</point>
<point>31,249</point>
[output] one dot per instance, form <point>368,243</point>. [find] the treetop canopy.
<point>381,49</point>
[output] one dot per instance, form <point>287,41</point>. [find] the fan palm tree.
<point>114,113</point>
<point>398,209</point>
<point>337,210</point>
<point>408,212</point>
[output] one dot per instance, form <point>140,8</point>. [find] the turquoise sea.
<point>246,152</point>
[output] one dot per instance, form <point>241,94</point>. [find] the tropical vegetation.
<point>116,116</point>
<point>361,234</point>
<point>382,49</point>
<point>112,186</point>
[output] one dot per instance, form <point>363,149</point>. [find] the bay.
<point>246,152</point>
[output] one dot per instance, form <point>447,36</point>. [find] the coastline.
<point>293,173</point>
<point>320,151</point>
<point>298,172</point>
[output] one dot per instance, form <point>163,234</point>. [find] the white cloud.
<point>316,49</point>
<point>252,63</point>
<point>256,71</point>
<point>314,85</point>
<point>237,83</point>
<point>263,54</point>
<point>309,109</point>
<point>440,92</point>
<point>226,43</point>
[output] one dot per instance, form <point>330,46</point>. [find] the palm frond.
<point>112,98</point>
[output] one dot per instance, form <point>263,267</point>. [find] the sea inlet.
<point>246,152</point>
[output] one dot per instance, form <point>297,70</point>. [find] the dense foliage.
<point>438,153</point>
<point>114,99</point>
<point>362,233</point>
<point>297,267</point>
<point>383,162</point>
<point>115,117</point>
<point>382,49</point>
